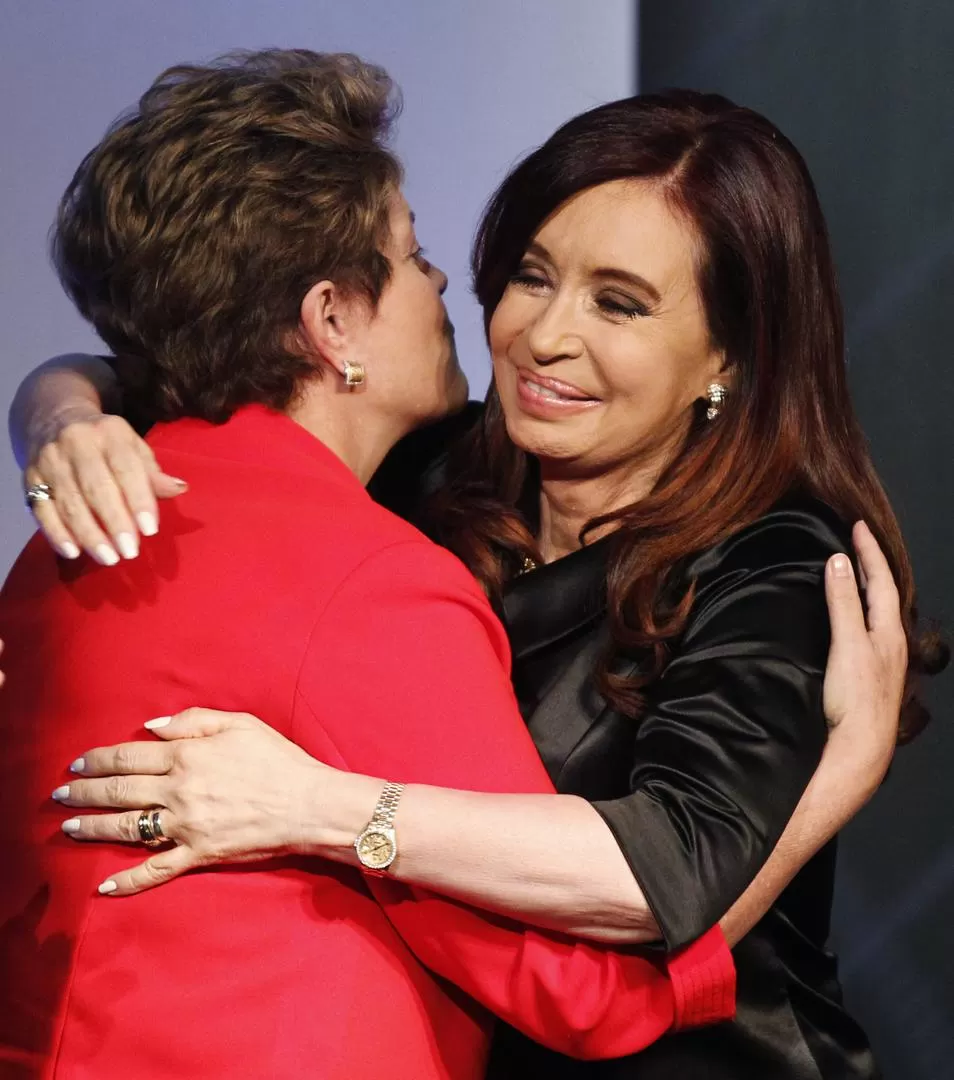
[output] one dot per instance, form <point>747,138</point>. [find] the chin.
<point>461,394</point>
<point>541,439</point>
<point>556,437</point>
<point>452,399</point>
<point>458,391</point>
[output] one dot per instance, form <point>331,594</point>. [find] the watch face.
<point>375,849</point>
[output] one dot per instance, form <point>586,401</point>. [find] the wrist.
<point>855,766</point>
<point>335,808</point>
<point>48,424</point>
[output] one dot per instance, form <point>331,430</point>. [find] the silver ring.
<point>37,493</point>
<point>150,828</point>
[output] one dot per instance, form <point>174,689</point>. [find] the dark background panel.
<point>865,89</point>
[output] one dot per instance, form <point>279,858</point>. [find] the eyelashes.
<point>615,306</point>
<point>528,281</point>
<point>631,309</point>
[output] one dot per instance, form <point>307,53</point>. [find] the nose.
<point>552,335</point>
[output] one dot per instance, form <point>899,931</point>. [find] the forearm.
<point>547,860</point>
<point>66,388</point>
<point>845,780</point>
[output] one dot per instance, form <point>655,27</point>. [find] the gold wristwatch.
<point>376,845</point>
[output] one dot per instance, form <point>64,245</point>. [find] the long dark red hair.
<point>767,282</point>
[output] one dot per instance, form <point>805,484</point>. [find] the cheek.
<point>644,375</point>
<point>509,320</point>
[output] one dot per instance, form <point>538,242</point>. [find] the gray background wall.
<point>483,82</point>
<point>865,89</point>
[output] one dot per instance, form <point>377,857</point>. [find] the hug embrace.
<point>502,740</point>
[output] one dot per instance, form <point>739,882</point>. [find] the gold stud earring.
<point>716,394</point>
<point>353,374</point>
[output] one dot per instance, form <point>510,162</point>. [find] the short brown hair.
<point>190,235</point>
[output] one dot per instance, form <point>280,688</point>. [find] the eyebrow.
<point>613,273</point>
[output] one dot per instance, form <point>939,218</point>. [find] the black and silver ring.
<point>38,493</point>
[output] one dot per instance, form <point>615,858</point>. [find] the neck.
<point>350,427</point>
<point>568,502</point>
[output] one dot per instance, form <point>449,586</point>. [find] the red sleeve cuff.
<point>703,981</point>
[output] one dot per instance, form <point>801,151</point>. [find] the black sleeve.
<point>132,398</point>
<point>734,727</point>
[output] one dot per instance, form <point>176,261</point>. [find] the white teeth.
<point>544,391</point>
<point>548,391</point>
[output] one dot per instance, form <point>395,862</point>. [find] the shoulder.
<point>799,529</point>
<point>407,559</point>
<point>411,597</point>
<point>764,585</point>
<point>386,557</point>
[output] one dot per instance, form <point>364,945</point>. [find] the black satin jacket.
<point>698,791</point>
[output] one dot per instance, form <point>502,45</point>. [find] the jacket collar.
<point>556,599</point>
<point>259,436</point>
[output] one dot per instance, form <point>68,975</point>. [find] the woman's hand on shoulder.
<point>103,483</point>
<point>867,665</point>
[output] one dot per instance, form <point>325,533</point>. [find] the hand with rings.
<point>219,787</point>
<point>150,828</point>
<point>93,484</point>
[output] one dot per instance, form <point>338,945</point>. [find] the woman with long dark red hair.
<point>666,461</point>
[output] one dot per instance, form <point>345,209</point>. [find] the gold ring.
<point>150,828</point>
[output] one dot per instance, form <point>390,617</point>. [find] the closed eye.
<point>620,307</point>
<point>529,278</point>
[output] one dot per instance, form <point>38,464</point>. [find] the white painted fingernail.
<point>105,555</point>
<point>160,721</point>
<point>69,551</point>
<point>107,887</point>
<point>61,793</point>
<point>128,545</point>
<point>79,765</point>
<point>840,566</point>
<point>71,826</point>
<point>147,523</point>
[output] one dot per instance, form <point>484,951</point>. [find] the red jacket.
<point>277,586</point>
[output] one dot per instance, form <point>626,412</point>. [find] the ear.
<point>333,325</point>
<point>720,369</point>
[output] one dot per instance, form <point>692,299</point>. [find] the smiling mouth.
<point>554,390</point>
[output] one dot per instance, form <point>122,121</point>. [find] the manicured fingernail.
<point>105,555</point>
<point>840,566</point>
<point>71,826</point>
<point>107,887</point>
<point>183,484</point>
<point>147,523</point>
<point>61,793</point>
<point>79,765</point>
<point>69,551</point>
<point>160,721</point>
<point>128,546</point>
